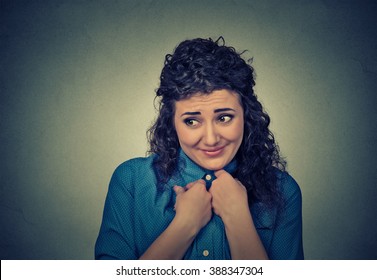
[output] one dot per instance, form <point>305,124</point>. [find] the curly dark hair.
<point>203,66</point>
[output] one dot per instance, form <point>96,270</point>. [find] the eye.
<point>191,122</point>
<point>225,118</point>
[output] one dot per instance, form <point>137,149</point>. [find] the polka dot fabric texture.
<point>136,213</point>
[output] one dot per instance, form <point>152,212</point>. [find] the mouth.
<point>213,152</point>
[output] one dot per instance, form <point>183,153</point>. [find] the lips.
<point>213,152</point>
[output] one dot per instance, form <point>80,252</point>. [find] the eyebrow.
<point>224,110</point>
<point>215,111</point>
<point>190,113</point>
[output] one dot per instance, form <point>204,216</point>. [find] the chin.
<point>211,168</point>
<point>214,166</point>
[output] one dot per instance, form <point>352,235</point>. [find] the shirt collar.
<point>190,171</point>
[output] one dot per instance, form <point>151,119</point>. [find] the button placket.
<point>208,178</point>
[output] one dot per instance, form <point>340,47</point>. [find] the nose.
<point>211,136</point>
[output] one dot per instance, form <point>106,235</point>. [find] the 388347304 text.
<point>237,270</point>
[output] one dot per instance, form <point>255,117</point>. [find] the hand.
<point>229,196</point>
<point>193,205</point>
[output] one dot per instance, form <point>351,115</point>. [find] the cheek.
<point>186,136</point>
<point>235,133</point>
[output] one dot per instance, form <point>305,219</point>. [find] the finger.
<point>238,181</point>
<point>190,185</point>
<point>220,172</point>
<point>178,190</point>
<point>215,210</point>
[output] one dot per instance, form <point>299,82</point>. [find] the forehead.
<point>215,99</point>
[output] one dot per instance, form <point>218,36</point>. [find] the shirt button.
<point>205,253</point>
<point>208,177</point>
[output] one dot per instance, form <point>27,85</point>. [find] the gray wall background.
<point>77,87</point>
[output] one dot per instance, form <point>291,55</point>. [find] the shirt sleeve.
<point>287,237</point>
<point>116,236</point>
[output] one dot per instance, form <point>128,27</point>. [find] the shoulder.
<point>287,184</point>
<point>133,165</point>
<point>132,171</point>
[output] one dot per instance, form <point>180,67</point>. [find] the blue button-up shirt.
<point>136,212</point>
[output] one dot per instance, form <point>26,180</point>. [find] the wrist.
<point>237,219</point>
<point>185,228</point>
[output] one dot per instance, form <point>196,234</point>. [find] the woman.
<point>214,185</point>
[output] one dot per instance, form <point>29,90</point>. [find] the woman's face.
<point>210,127</point>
